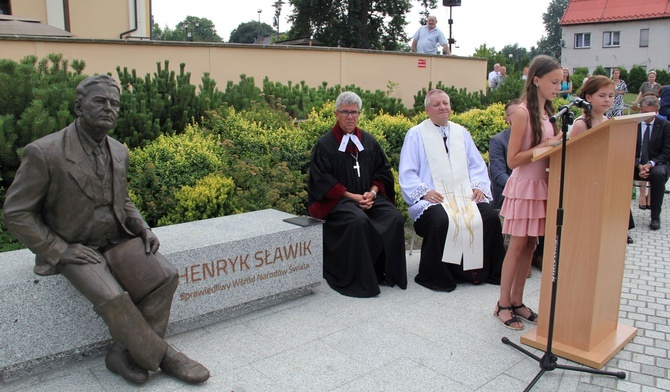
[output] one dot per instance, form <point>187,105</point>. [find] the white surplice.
<point>456,174</point>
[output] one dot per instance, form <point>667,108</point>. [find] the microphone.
<point>580,103</point>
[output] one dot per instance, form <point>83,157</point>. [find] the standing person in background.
<point>503,74</point>
<point>525,73</point>
<point>566,85</point>
<point>649,86</point>
<point>525,205</point>
<point>494,76</point>
<point>620,89</point>
<point>425,39</point>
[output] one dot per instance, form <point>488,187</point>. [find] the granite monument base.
<point>227,266</point>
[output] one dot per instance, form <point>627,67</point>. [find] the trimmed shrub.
<point>267,165</point>
<point>662,77</point>
<point>165,166</point>
<point>390,132</point>
<point>600,70</point>
<point>577,78</point>
<point>483,124</point>
<point>210,197</point>
<point>637,75</point>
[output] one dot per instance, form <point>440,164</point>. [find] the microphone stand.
<point>548,360</point>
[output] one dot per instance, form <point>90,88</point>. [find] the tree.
<point>491,55</point>
<point>365,24</point>
<point>551,44</point>
<point>190,29</point>
<point>248,32</point>
<point>427,5</point>
<point>515,56</point>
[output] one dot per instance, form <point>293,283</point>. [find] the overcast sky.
<point>494,22</point>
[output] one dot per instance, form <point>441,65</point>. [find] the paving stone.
<point>327,342</point>
<point>653,370</point>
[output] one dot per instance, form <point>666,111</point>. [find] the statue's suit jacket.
<point>50,204</point>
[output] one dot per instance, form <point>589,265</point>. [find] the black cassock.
<point>362,248</point>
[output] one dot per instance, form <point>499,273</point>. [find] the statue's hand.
<point>151,243</point>
<point>80,254</point>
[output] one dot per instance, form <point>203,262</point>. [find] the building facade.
<point>95,19</point>
<point>616,33</point>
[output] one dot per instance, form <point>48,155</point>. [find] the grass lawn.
<point>629,98</point>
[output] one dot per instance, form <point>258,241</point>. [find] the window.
<point>644,38</point>
<point>5,9</point>
<point>611,39</point>
<point>582,40</point>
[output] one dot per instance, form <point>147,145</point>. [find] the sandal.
<point>508,323</point>
<point>531,319</point>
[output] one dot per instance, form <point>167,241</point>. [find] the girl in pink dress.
<point>525,205</point>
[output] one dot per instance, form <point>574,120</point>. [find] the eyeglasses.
<point>346,113</point>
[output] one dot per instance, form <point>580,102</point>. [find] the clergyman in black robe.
<point>351,186</point>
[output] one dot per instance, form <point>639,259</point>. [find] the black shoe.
<point>630,240</point>
<point>655,224</point>
<point>381,280</point>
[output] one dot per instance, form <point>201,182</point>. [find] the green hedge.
<point>162,168</point>
<point>202,153</point>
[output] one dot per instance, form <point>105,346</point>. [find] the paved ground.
<point>413,340</point>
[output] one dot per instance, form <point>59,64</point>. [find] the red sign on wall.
<point>422,63</point>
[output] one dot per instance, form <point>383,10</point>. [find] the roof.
<point>22,27</point>
<point>607,11</point>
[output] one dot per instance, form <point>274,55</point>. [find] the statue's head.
<point>97,104</point>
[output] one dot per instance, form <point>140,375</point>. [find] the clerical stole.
<point>465,237</point>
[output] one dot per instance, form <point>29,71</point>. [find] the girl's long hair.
<point>540,66</point>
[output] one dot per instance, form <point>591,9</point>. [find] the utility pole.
<point>277,5</point>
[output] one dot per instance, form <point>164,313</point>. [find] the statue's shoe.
<point>121,363</point>
<point>179,366</point>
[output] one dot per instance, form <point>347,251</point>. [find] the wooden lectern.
<point>596,202</point>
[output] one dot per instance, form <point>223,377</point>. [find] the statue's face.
<point>99,108</point>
